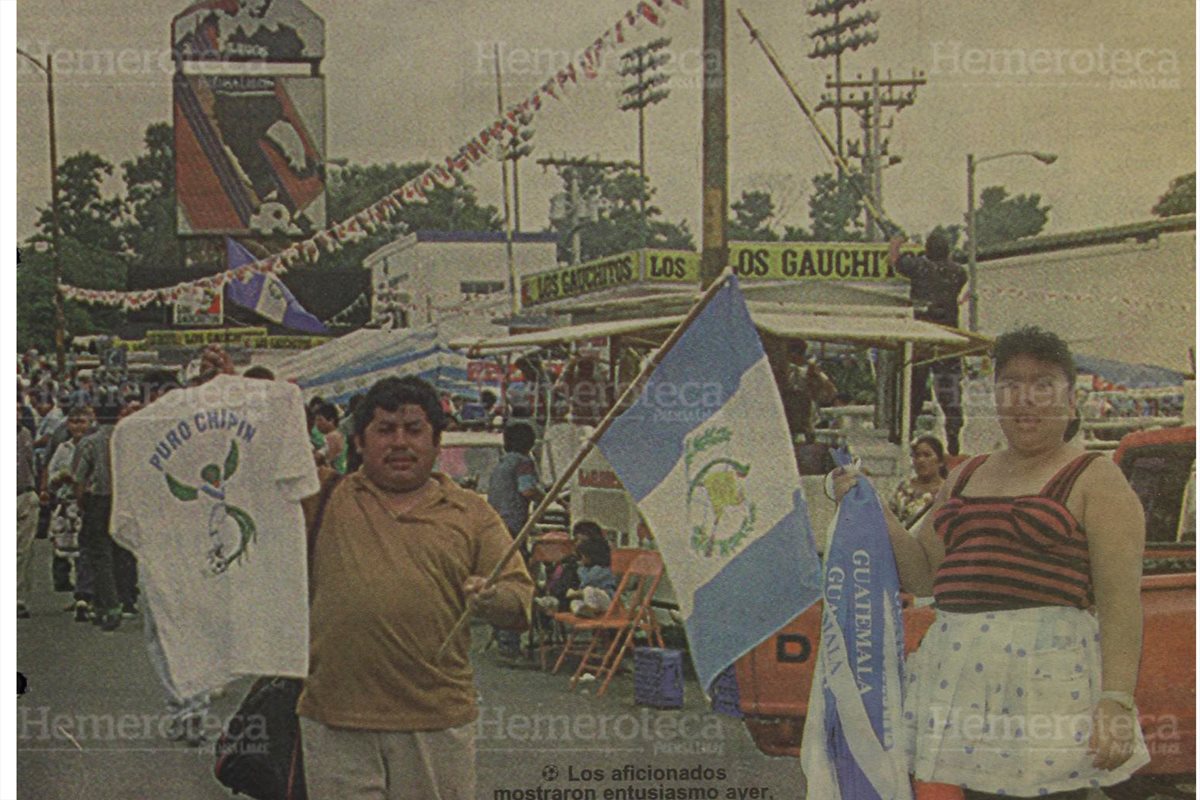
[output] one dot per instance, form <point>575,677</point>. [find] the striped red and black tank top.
<point>1013,552</point>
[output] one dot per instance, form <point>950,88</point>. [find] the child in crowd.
<point>596,579</point>
<point>67,520</point>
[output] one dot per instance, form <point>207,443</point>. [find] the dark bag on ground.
<point>259,753</point>
<point>563,579</point>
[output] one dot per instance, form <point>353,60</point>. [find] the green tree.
<point>752,215</point>
<point>835,210</point>
<point>83,266</point>
<point>85,214</point>
<point>149,233</point>
<point>90,238</point>
<point>1001,218</point>
<point>355,187</point>
<point>618,225</point>
<point>1180,197</point>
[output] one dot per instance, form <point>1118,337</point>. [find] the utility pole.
<point>871,97</point>
<point>570,169</point>
<point>648,88</point>
<point>714,256</point>
<point>834,39</point>
<point>514,298</point>
<point>60,323</point>
<point>519,148</point>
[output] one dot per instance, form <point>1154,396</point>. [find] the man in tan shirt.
<point>400,554</point>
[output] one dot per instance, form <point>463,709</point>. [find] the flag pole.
<point>613,412</point>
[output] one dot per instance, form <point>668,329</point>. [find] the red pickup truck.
<point>774,679</point>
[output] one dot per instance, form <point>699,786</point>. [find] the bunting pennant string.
<point>490,143</point>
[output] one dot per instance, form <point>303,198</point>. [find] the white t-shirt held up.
<point>206,489</point>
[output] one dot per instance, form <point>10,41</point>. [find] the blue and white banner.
<point>705,452</point>
<point>851,748</point>
<point>266,295</point>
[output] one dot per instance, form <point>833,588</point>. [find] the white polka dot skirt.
<point>1002,702</point>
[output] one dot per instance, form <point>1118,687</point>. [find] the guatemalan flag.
<point>266,295</point>
<point>706,454</point>
<point>851,748</point>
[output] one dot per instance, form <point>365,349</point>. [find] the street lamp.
<point>59,318</point>
<point>972,162</point>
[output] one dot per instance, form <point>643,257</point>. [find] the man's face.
<point>77,426</point>
<point>398,449</point>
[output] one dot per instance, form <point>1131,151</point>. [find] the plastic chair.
<point>613,633</point>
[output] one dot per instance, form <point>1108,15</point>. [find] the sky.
<point>1106,85</point>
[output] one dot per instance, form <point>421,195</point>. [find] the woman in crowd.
<point>333,447</point>
<point>1023,686</point>
<point>914,496</point>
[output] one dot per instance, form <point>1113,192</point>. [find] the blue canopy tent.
<point>344,367</point>
<point>1131,376</point>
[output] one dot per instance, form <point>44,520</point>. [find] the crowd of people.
<point>1032,555</point>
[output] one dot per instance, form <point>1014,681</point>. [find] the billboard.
<point>248,155</point>
<point>248,30</point>
<point>199,306</point>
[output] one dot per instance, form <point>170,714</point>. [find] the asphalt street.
<point>91,726</point>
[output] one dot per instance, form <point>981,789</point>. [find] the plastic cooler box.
<point>658,677</point>
<point>725,694</point>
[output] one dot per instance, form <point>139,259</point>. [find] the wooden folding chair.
<point>612,634</point>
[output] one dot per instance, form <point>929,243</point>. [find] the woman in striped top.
<point>1023,686</point>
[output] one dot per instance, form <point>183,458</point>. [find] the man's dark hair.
<point>108,412</point>
<point>487,398</point>
<point>1044,346</point>
<point>391,393</point>
<point>78,410</point>
<point>328,411</point>
<point>937,246</point>
<point>355,401</point>
<point>259,372</point>
<point>519,438</point>
<point>596,550</point>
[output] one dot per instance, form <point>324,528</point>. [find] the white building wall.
<point>427,278</point>
<point>1132,302</point>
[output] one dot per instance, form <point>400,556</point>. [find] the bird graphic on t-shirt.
<point>225,549</point>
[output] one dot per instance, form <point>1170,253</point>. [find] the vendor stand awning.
<point>570,333</point>
<point>876,327</point>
